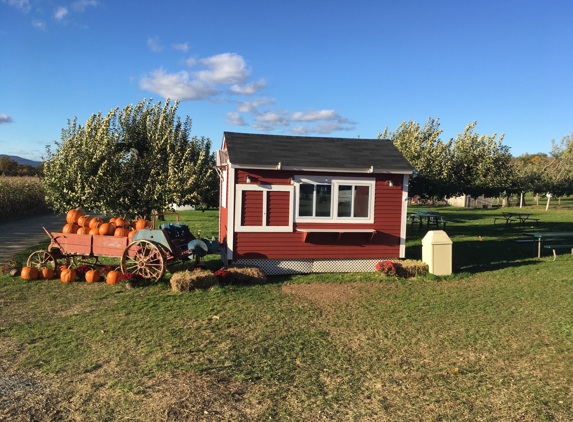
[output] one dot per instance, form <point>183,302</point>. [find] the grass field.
<point>492,342</point>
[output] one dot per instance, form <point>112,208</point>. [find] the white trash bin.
<point>437,252</point>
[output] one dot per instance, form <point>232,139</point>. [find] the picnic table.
<point>555,238</point>
<point>428,217</point>
<point>522,217</point>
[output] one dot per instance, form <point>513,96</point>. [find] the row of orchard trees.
<point>475,165</point>
<point>131,162</point>
<point>471,164</point>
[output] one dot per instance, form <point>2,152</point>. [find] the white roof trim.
<point>369,170</point>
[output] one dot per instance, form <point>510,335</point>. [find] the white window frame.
<point>240,188</point>
<point>335,182</point>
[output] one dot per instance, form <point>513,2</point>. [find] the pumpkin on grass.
<point>92,276</point>
<point>113,276</point>
<point>68,275</point>
<point>29,273</point>
<point>46,274</point>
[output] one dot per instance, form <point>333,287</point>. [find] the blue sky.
<point>320,68</point>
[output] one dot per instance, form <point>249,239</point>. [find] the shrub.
<point>186,281</point>
<point>408,268</point>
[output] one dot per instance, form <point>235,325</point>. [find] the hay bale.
<point>410,268</point>
<point>247,275</point>
<point>187,281</point>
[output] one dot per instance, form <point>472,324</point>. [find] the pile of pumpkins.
<point>69,275</point>
<point>79,223</point>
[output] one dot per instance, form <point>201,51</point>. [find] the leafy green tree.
<point>430,157</point>
<point>481,164</point>
<point>8,167</point>
<point>130,162</point>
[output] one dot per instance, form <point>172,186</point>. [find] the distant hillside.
<point>21,160</point>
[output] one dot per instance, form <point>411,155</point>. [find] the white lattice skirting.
<point>305,266</point>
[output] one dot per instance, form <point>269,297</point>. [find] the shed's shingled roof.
<point>314,152</point>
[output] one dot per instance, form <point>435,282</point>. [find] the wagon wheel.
<point>145,259</point>
<point>42,259</point>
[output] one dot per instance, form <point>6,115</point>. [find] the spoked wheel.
<point>145,259</point>
<point>42,259</point>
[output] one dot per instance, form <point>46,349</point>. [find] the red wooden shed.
<point>297,204</point>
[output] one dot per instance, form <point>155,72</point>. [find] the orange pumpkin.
<point>84,221</point>
<point>142,224</point>
<point>121,222</point>
<point>83,230</point>
<point>60,269</point>
<point>73,215</point>
<point>29,273</point>
<point>112,220</point>
<point>94,231</point>
<point>130,234</point>
<point>68,275</point>
<point>92,276</point>
<point>113,277</point>
<point>95,222</point>
<point>46,274</point>
<point>70,228</point>
<point>107,229</point>
<point>121,232</point>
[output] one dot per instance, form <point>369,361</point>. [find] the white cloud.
<point>251,106</point>
<point>271,120</point>
<point>60,13</point>
<point>248,89</point>
<point>176,86</point>
<point>322,128</point>
<point>154,44</point>
<point>191,62</point>
<point>5,119</point>
<point>181,47</point>
<point>23,5</point>
<point>235,119</point>
<point>39,25</point>
<point>313,116</point>
<point>81,5</point>
<point>226,68</point>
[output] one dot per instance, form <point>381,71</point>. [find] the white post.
<point>548,198</point>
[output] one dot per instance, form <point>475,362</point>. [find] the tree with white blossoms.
<point>422,147</point>
<point>131,162</point>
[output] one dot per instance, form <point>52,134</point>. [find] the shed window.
<point>329,200</point>
<point>315,200</point>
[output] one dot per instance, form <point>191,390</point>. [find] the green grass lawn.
<point>492,342</point>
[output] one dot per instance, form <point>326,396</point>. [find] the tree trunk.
<point>506,201</point>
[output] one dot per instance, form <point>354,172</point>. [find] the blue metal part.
<point>155,235</point>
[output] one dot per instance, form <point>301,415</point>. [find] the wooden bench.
<point>554,247</point>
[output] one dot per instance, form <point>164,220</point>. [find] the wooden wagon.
<point>147,254</point>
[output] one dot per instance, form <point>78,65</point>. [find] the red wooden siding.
<point>252,207</point>
<point>387,223</point>
<point>278,207</point>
